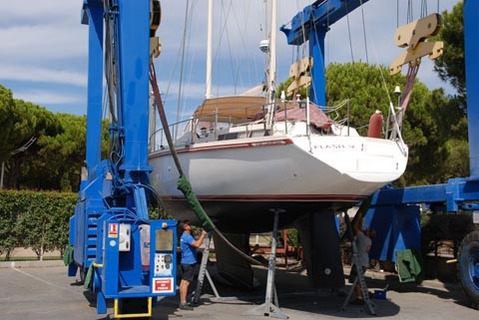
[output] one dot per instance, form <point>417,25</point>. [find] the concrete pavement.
<point>47,293</point>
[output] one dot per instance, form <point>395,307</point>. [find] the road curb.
<point>32,264</point>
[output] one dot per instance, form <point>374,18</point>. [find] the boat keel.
<point>231,266</point>
<point>322,256</point>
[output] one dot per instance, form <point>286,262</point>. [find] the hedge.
<point>37,220</point>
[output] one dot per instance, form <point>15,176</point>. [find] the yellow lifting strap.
<point>413,36</point>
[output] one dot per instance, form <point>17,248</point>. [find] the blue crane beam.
<point>320,15</point>
<point>312,24</point>
<point>458,193</point>
<point>92,15</point>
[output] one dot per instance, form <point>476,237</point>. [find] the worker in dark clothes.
<point>363,245</point>
<point>189,261</point>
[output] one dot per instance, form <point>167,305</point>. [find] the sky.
<point>44,48</point>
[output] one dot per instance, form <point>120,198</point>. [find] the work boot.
<point>184,306</point>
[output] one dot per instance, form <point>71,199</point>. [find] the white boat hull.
<point>239,181</point>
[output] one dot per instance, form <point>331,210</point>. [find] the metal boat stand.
<point>270,308</point>
<point>360,276</point>
<point>195,298</point>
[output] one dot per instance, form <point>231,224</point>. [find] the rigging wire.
<point>228,43</point>
<point>240,30</point>
<point>410,15</point>
<point>364,32</point>
<point>423,8</point>
<point>191,61</point>
<point>349,33</point>
<point>222,32</point>
<point>183,41</point>
<point>397,14</point>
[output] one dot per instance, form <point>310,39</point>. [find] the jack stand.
<point>268,308</point>
<point>360,276</point>
<point>195,299</point>
<point>201,274</point>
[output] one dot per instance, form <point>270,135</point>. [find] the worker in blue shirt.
<point>189,261</point>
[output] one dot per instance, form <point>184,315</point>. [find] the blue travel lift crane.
<point>123,254</point>
<point>395,213</point>
<point>399,208</point>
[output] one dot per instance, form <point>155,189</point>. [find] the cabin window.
<point>228,136</point>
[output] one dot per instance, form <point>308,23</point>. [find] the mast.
<point>272,54</point>
<point>271,77</point>
<point>209,44</point>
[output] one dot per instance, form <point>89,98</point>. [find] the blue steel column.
<point>95,78</point>
<point>316,50</point>
<point>471,43</point>
<point>135,54</point>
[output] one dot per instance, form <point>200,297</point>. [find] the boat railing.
<point>158,141</point>
<point>242,122</point>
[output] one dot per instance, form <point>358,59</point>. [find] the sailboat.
<point>245,155</point>
<point>250,157</point>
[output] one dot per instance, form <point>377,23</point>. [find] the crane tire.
<point>468,265</point>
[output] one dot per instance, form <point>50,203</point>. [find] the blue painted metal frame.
<point>95,78</point>
<point>458,193</point>
<point>133,68</point>
<point>312,24</point>
<point>114,192</point>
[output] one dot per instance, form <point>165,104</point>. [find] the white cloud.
<point>39,74</point>
<point>41,10</point>
<point>43,42</point>
<point>40,43</point>
<point>43,97</point>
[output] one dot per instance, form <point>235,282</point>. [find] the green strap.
<point>185,187</point>
<point>88,284</point>
<point>68,255</point>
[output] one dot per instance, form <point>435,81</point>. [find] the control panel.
<point>163,264</point>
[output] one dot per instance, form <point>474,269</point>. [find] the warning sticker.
<point>113,230</point>
<point>162,285</point>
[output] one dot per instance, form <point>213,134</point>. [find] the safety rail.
<point>239,122</point>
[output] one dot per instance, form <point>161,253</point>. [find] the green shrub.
<point>38,220</point>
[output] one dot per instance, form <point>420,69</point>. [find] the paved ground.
<point>47,293</point>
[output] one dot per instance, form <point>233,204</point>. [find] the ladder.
<point>195,297</point>
<point>360,275</point>
<point>203,271</point>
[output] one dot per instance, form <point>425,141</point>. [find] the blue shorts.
<point>188,272</point>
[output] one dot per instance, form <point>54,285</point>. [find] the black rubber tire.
<point>468,259</point>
